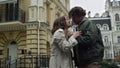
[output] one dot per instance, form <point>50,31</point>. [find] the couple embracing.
<point>77,44</point>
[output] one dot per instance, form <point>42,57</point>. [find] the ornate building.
<point>25,29</point>
<point>113,8</point>
<point>109,24</point>
<point>104,24</point>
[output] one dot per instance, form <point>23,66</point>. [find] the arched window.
<point>98,25</point>
<point>106,39</point>
<point>117,17</point>
<point>105,27</point>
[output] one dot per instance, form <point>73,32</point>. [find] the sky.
<point>94,6</point>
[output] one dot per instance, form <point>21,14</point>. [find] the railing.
<point>8,63</point>
<point>2,63</point>
<point>44,61</point>
<point>13,15</point>
<point>27,61</point>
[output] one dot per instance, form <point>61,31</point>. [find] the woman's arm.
<point>63,43</point>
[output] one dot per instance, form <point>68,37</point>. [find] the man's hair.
<point>77,11</point>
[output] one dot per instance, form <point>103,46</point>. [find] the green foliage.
<point>108,64</point>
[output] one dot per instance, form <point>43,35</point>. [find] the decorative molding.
<point>25,26</point>
<point>48,1</point>
<point>63,8</point>
<point>13,27</point>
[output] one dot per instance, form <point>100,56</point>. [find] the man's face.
<point>76,19</point>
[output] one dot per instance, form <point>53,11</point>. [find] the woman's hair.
<point>59,23</point>
<point>77,11</point>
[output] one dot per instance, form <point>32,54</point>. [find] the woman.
<point>61,44</point>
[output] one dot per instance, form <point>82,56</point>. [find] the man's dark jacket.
<point>90,45</point>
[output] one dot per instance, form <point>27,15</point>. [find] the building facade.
<point>109,24</point>
<point>104,24</point>
<point>25,30</point>
<point>113,8</point>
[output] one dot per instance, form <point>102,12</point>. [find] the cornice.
<point>62,7</point>
<point>25,26</point>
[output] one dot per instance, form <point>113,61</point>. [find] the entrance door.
<point>12,55</point>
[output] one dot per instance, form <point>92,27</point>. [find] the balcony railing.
<point>25,62</point>
<point>12,15</point>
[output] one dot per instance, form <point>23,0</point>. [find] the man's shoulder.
<point>87,20</point>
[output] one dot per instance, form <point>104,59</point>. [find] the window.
<point>117,17</point>
<point>98,25</point>
<point>115,3</point>
<point>106,39</point>
<point>118,27</point>
<point>105,27</point>
<point>105,54</point>
<point>118,39</point>
<point>119,51</point>
<point>1,52</point>
<point>33,2</point>
<point>23,51</point>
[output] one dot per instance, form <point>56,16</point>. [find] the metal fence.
<point>25,62</point>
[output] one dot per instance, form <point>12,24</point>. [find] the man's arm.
<point>89,34</point>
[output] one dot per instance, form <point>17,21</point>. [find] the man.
<point>89,50</point>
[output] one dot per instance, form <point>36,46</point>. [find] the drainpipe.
<point>38,35</point>
<point>38,45</point>
<point>39,5</point>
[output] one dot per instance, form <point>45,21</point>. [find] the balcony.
<point>7,16</point>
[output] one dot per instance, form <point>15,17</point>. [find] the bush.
<point>106,64</point>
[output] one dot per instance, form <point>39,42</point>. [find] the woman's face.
<point>67,22</point>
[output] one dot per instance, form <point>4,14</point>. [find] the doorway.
<point>12,51</point>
